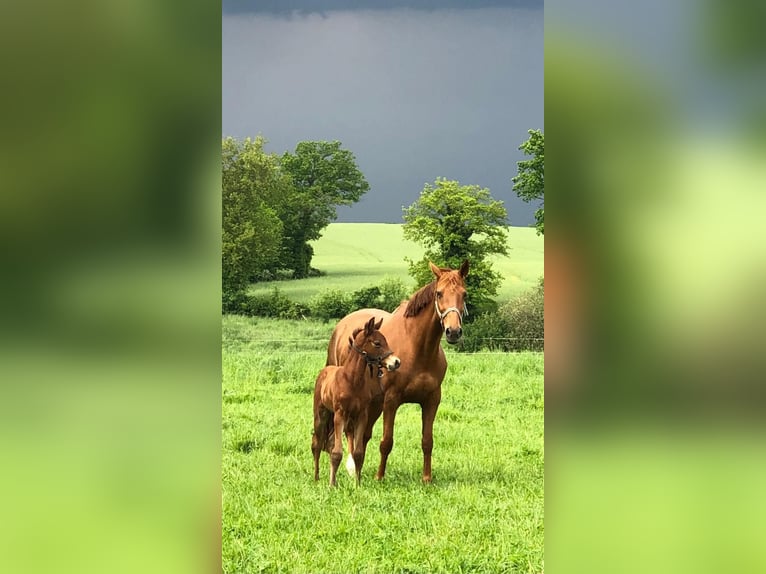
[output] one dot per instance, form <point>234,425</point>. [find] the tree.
<point>529,184</point>
<point>455,223</point>
<point>323,177</point>
<point>251,229</point>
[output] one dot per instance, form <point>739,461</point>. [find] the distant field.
<point>356,255</point>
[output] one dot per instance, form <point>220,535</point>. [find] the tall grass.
<point>483,512</point>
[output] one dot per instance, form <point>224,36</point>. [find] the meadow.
<point>356,255</point>
<point>482,513</point>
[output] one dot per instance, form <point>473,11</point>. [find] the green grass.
<point>355,255</point>
<point>483,512</point>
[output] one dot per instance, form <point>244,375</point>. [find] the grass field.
<point>483,512</point>
<point>356,255</point>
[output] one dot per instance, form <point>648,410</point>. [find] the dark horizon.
<point>422,90</point>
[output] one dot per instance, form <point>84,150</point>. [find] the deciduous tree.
<point>529,184</point>
<point>323,176</point>
<point>455,223</point>
<point>251,228</point>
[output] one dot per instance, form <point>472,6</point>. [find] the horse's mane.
<point>420,300</point>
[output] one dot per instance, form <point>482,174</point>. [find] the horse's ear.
<point>435,270</point>
<point>378,324</point>
<point>464,269</point>
<point>351,341</point>
<point>370,326</point>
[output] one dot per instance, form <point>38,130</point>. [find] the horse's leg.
<point>387,442</point>
<point>350,460</point>
<point>359,445</point>
<point>429,414</point>
<point>373,414</point>
<point>316,450</point>
<point>337,452</point>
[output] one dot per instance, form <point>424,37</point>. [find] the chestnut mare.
<point>414,329</point>
<point>342,397</point>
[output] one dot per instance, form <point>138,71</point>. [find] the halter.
<point>372,360</point>
<point>450,310</point>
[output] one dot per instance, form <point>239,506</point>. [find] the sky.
<point>416,89</point>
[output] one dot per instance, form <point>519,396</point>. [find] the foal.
<point>342,396</point>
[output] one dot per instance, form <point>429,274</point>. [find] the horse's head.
<point>372,345</point>
<point>449,299</point>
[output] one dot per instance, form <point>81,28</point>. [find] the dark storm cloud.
<point>414,94</point>
<point>321,6</point>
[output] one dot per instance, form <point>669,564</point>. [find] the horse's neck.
<point>354,367</point>
<point>429,330</point>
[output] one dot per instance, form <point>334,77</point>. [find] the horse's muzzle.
<point>392,363</point>
<point>453,336</point>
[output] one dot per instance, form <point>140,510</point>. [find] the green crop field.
<point>356,255</point>
<point>483,512</point>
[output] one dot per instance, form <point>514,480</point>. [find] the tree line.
<point>274,206</point>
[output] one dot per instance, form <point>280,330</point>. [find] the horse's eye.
<point>377,343</point>
<point>439,294</point>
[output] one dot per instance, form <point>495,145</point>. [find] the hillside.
<point>355,255</point>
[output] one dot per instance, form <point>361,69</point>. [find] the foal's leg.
<point>359,444</point>
<point>387,442</point>
<point>319,438</point>
<point>429,414</point>
<point>350,459</point>
<point>337,452</point>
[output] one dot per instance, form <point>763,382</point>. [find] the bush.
<point>486,331</point>
<point>387,295</point>
<point>525,317</point>
<point>332,304</point>
<point>235,302</point>
<point>392,293</point>
<point>275,304</point>
<point>366,297</point>
<point>518,325</point>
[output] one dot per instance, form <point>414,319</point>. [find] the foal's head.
<point>450,299</point>
<point>372,345</point>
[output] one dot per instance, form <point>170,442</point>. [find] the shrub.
<point>387,295</point>
<point>331,304</point>
<point>235,302</point>
<point>525,317</point>
<point>314,272</point>
<point>486,331</point>
<point>392,293</point>
<point>366,297</point>
<point>518,325</point>
<point>275,304</point>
